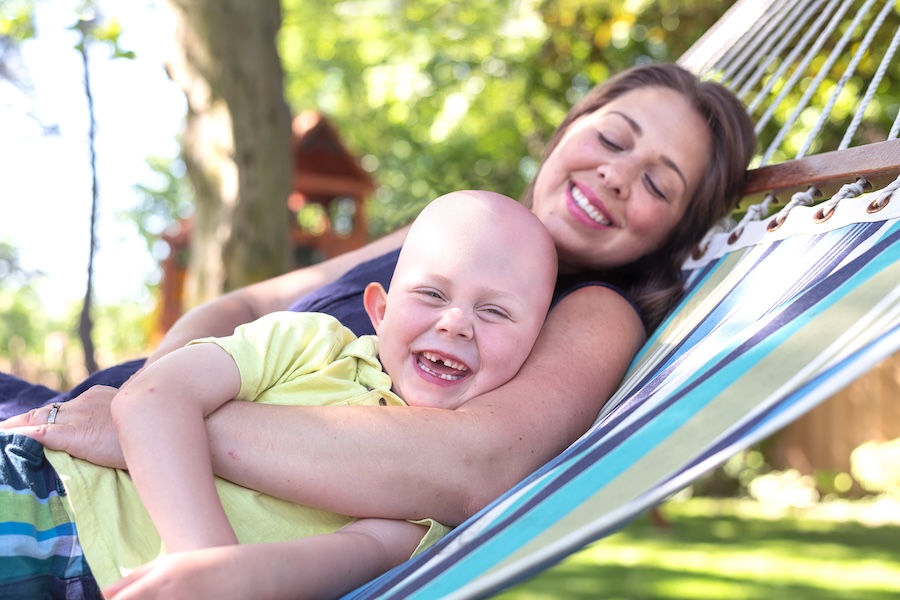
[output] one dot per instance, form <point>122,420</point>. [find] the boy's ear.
<point>375,301</point>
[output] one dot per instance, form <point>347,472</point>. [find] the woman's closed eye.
<point>655,189</point>
<point>609,142</point>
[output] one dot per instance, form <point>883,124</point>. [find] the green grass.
<point>714,550</point>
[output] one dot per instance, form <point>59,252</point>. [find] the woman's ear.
<point>375,301</point>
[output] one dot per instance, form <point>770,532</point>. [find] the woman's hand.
<point>83,427</point>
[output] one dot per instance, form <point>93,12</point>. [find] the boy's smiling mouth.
<point>441,367</point>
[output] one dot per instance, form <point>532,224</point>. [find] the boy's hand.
<point>208,573</point>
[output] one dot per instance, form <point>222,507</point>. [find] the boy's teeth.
<point>446,362</point>
<point>444,376</point>
<point>589,209</point>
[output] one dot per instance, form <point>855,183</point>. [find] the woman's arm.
<point>449,463</point>
<point>159,421</point>
<point>323,566</point>
<point>219,317</point>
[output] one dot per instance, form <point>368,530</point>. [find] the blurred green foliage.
<point>436,96</point>
<point>45,349</point>
<point>441,95</point>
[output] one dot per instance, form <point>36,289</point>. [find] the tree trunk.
<point>236,143</point>
<point>85,322</point>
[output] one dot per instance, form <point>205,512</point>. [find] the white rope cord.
<point>708,51</point>
<point>812,33</point>
<point>885,196</point>
<point>756,39</point>
<point>895,128</point>
<point>848,73</point>
<point>848,190</point>
<point>817,81</point>
<point>755,212</point>
<point>870,92</point>
<point>804,14</point>
<point>805,198</point>
<point>777,22</point>
<point>748,37</point>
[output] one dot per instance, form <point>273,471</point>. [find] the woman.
<point>634,177</point>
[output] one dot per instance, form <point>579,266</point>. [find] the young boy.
<point>466,303</point>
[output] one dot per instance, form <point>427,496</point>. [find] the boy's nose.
<point>456,322</point>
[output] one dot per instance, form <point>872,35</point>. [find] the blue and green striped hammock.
<point>773,323</point>
<point>779,314</point>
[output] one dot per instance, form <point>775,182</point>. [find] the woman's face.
<point>621,177</point>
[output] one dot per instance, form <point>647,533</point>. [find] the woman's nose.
<point>456,323</point>
<point>615,176</point>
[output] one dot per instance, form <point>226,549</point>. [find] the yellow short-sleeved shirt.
<point>284,358</point>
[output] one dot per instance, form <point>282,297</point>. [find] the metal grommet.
<point>774,224</point>
<point>874,206</point>
<point>698,252</point>
<point>821,217</point>
<point>735,235</point>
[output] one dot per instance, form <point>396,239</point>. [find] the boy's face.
<point>457,323</point>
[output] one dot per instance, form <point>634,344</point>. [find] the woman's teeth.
<point>588,208</point>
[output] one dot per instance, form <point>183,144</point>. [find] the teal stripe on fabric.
<point>18,528</point>
<point>23,567</point>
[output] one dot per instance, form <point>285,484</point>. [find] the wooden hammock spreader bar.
<point>878,162</point>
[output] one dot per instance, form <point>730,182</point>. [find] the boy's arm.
<point>322,566</point>
<point>159,420</point>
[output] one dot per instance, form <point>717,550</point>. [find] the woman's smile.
<point>592,208</point>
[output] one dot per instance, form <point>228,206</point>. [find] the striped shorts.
<point>40,556</point>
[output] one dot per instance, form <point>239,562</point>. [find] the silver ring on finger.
<point>54,409</point>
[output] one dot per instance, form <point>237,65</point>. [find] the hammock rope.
<point>845,77</point>
<point>870,92</point>
<point>783,39</point>
<point>813,33</point>
<point>823,71</point>
<point>787,57</point>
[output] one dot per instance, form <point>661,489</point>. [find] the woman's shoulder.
<point>343,297</point>
<point>567,284</point>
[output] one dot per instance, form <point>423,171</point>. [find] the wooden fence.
<point>866,410</point>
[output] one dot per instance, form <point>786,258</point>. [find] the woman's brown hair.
<point>654,281</point>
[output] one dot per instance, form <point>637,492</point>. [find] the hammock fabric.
<point>774,322</point>
<point>779,313</point>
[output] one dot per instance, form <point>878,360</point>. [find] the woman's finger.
<point>32,418</point>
